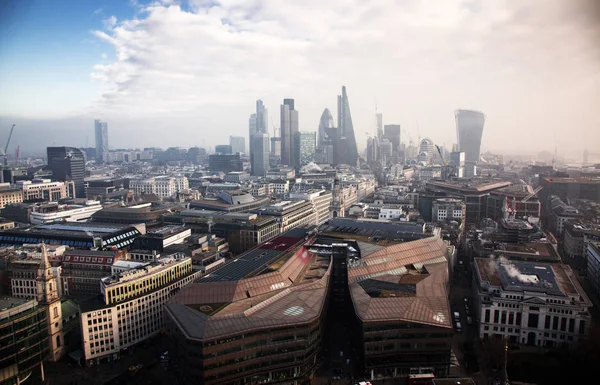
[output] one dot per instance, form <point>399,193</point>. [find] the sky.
<point>187,73</point>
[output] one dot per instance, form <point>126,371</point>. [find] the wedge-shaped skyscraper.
<point>469,129</point>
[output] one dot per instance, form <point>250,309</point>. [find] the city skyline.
<point>144,94</point>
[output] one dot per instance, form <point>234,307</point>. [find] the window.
<point>496,316</point>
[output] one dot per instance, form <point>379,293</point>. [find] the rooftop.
<point>9,302</point>
<point>475,185</point>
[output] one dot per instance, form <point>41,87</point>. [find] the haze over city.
<point>188,73</point>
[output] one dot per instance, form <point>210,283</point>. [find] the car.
<point>456,316</point>
<point>458,327</point>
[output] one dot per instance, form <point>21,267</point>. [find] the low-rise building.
<point>160,238</point>
<point>320,199</point>
<point>279,186</point>
<point>161,186</point>
<point>45,189</point>
<point>290,214</point>
<point>10,195</point>
<point>534,303</point>
<point>82,271</point>
<point>131,310</point>
<point>448,209</point>
<point>261,189</point>
<point>236,177</point>
<point>231,201</point>
<point>55,212</point>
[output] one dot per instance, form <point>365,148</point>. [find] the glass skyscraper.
<point>101,131</point>
<point>469,129</point>
<point>68,163</point>
<point>306,145</point>
<point>345,150</point>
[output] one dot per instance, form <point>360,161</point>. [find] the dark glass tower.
<point>469,129</point>
<point>345,151</point>
<point>68,163</point>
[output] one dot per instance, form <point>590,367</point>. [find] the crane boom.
<point>9,136</point>
<point>441,156</point>
<point>528,197</point>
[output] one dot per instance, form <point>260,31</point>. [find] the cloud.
<point>98,11</point>
<point>109,22</point>
<point>530,68</point>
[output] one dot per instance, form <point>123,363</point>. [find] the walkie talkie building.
<point>469,129</point>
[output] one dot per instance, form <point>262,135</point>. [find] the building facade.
<point>593,264</point>
<point>68,164</point>
<point>306,145</point>
<point>259,161</point>
<point>132,307</point>
<point>238,144</point>
<point>289,128</point>
<point>448,209</point>
<point>226,163</point>
<point>469,130</point>
<point>101,131</point>
<point>45,189</point>
<point>9,196</point>
<point>321,201</point>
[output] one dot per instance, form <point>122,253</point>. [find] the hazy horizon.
<point>188,73</point>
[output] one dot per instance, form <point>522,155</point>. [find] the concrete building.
<point>68,164</point>
<point>161,186</point>
<point>469,130</point>
<point>593,265</point>
<point>448,209</point>
<point>131,309</point>
<point>231,201</point>
<point>45,189</point>
<point>281,173</point>
<point>10,196</point>
<point>534,303</point>
<point>54,212</point>
<point>279,186</point>
<point>560,214</point>
<point>259,161</point>
<point>82,271</point>
<point>101,134</point>
<point>320,199</point>
<point>238,144</point>
<point>236,177</point>
<point>290,214</point>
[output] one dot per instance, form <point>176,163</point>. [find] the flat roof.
<point>88,227</point>
<point>7,302</point>
<point>257,259</point>
<point>471,185</point>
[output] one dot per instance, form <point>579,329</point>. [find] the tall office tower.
<point>469,129</point>
<point>457,161</point>
<point>238,144</point>
<point>262,118</point>
<point>101,131</point>
<point>68,164</point>
<point>392,133</point>
<point>326,137</point>
<point>426,151</point>
<point>379,116</point>
<point>260,160</point>
<point>345,150</point>
<point>251,131</point>
<point>372,150</point>
<point>385,151</point>
<point>289,126</point>
<point>306,145</point>
<point>276,147</point>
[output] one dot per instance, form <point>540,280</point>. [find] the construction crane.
<point>4,154</point>
<point>528,197</point>
<point>439,150</point>
<point>274,128</point>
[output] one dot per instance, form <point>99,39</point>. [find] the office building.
<point>160,238</point>
<point>392,133</point>
<point>131,309</point>
<point>260,154</point>
<point>305,147</point>
<point>379,118</point>
<point>469,130</point>
<point>22,349</point>
<point>224,149</point>
<point>236,177</point>
<point>225,163</point>
<point>290,214</point>
<point>238,144</point>
<point>10,196</point>
<point>230,201</point>
<point>277,301</point>
<point>262,117</point>
<point>68,164</point>
<point>54,212</point>
<point>448,209</point>
<point>426,151</point>
<point>161,186</point>
<point>320,199</point>
<point>372,150</point>
<point>386,151</point>
<point>45,190</point>
<point>82,271</point>
<point>345,150</point>
<point>570,188</point>
<point>101,131</point>
<point>276,147</point>
<point>593,265</point>
<point>533,303</point>
<point>289,128</point>
<point>457,163</point>
<point>326,135</point>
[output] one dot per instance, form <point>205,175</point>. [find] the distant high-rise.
<point>306,145</point>
<point>469,129</point>
<point>379,116</point>
<point>101,131</point>
<point>426,151</point>
<point>238,144</point>
<point>372,150</point>
<point>262,117</point>
<point>260,159</point>
<point>289,126</point>
<point>325,140</point>
<point>392,133</point>
<point>251,131</point>
<point>68,164</point>
<point>345,149</point>
<point>224,149</point>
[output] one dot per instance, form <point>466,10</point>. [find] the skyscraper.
<point>469,129</point>
<point>345,150</point>
<point>101,131</point>
<point>260,159</point>
<point>289,126</point>
<point>426,151</point>
<point>238,144</point>
<point>306,145</point>
<point>326,135</point>
<point>392,133</point>
<point>68,163</point>
<point>379,116</point>
<point>262,117</point>
<point>251,131</point>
